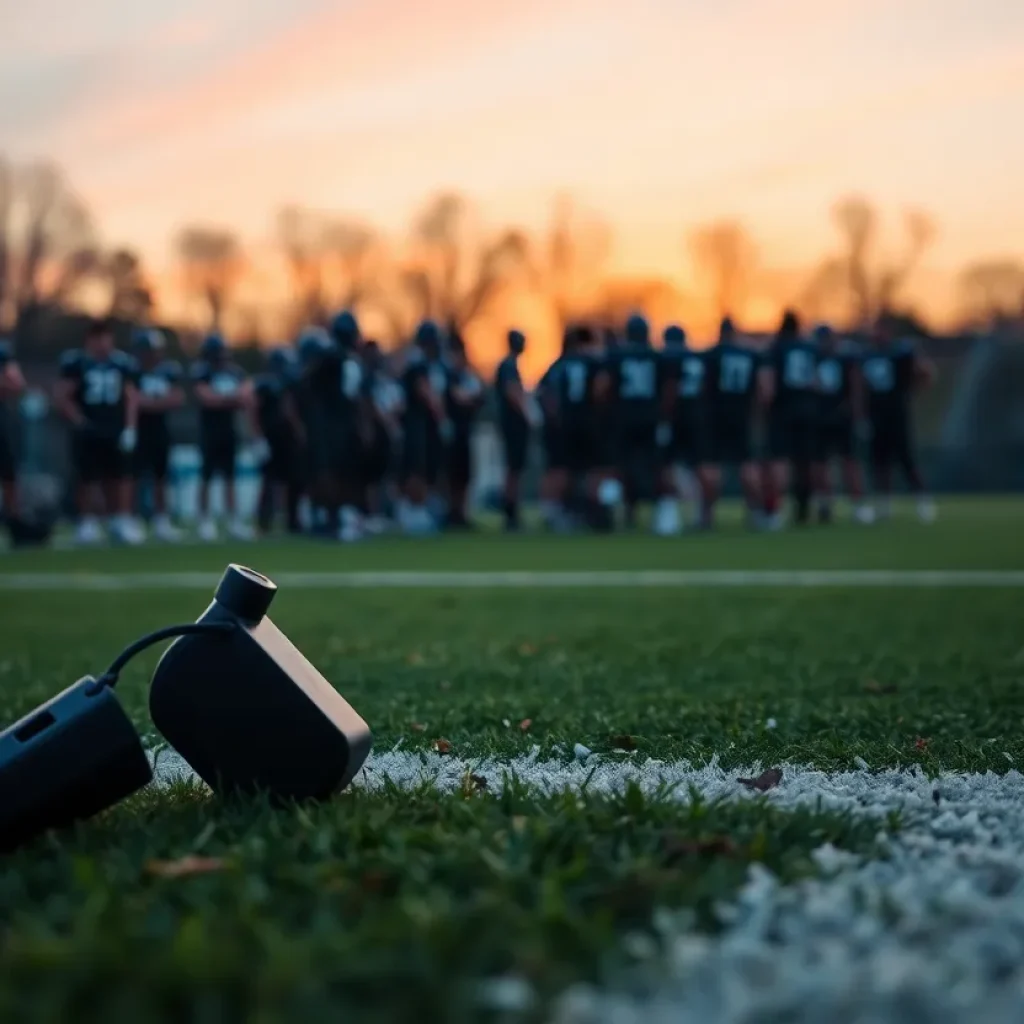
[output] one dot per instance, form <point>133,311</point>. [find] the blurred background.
<point>255,166</point>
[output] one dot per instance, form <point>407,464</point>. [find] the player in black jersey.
<point>893,370</point>
<point>426,429</point>
<point>349,421</point>
<point>553,481</point>
<point>306,410</point>
<point>12,385</point>
<point>514,421</point>
<point>159,383</point>
<point>387,405</point>
<point>223,390</point>
<point>279,476</point>
<point>640,393</point>
<point>733,403</point>
<point>840,423</point>
<point>97,395</point>
<point>790,383</point>
<point>689,451</point>
<point>463,399</point>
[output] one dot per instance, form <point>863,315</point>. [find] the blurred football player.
<point>306,408</point>
<point>641,394</point>
<point>841,423</point>
<point>223,390</point>
<point>97,395</point>
<point>349,422</point>
<point>387,406</point>
<point>732,396</point>
<point>893,370</point>
<point>279,471</point>
<point>12,385</point>
<point>464,399</point>
<point>689,419</point>
<point>514,419</point>
<point>554,480</point>
<point>159,384</point>
<point>790,392</point>
<point>426,429</point>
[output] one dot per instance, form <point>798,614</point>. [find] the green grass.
<point>395,904</point>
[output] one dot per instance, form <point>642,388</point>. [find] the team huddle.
<point>349,443</point>
<point>624,421</point>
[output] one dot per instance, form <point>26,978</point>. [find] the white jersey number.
<point>102,386</point>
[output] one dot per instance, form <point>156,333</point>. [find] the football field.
<point>552,825</point>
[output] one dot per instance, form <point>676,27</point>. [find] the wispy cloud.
<point>665,111</point>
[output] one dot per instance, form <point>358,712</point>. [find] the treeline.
<point>448,265</point>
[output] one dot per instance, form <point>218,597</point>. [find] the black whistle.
<point>232,695</point>
<point>247,711</point>
<point>71,758</point>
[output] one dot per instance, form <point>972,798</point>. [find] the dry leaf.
<point>527,650</point>
<point>920,743</point>
<point>443,746</point>
<point>473,784</point>
<point>525,724</point>
<point>418,727</point>
<point>624,742</point>
<point>184,866</point>
<point>414,658</point>
<point>766,780</point>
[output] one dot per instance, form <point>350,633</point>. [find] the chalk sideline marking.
<point>933,929</point>
<point>625,579</point>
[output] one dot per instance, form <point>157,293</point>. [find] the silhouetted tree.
<point>725,259</point>
<point>574,264</point>
<point>47,247</point>
<point>130,297</point>
<point>332,260</point>
<point>992,292</point>
<point>874,285</point>
<point>455,270</point>
<point>211,263</point>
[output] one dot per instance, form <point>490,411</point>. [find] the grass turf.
<point>394,904</point>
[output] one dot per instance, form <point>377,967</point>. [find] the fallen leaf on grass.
<point>525,724</point>
<point>527,650</point>
<point>443,746</point>
<point>624,742</point>
<point>473,784</point>
<point>418,727</point>
<point>414,658</point>
<point>766,780</point>
<point>921,743</point>
<point>185,866</point>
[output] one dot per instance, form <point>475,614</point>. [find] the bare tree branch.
<point>211,262</point>
<point>726,258</point>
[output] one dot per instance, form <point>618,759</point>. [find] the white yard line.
<point>945,578</point>
<point>932,931</point>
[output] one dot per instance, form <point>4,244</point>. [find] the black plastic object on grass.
<point>232,694</point>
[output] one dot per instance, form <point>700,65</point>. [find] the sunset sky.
<point>659,113</point>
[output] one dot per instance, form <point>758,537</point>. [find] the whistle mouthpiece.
<point>245,593</point>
